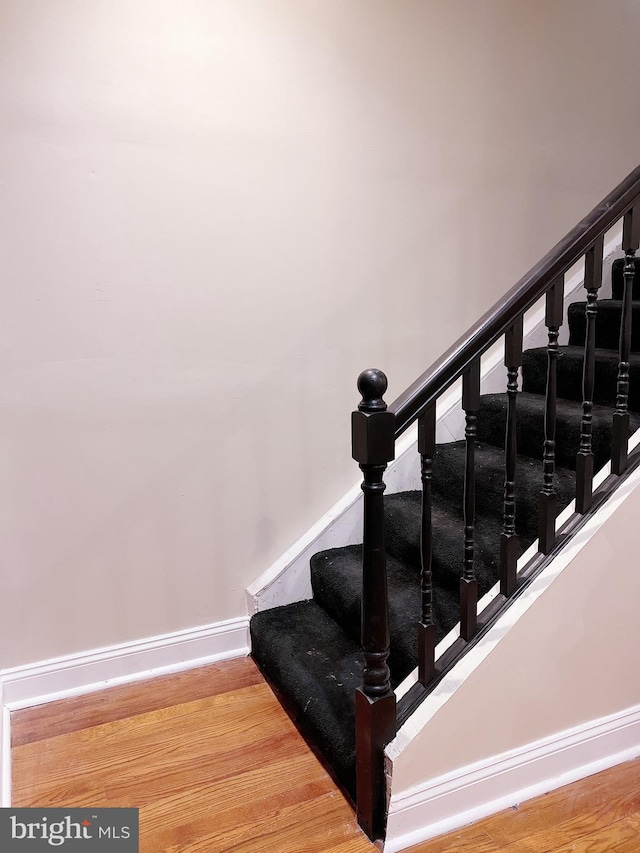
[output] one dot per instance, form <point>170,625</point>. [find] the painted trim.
<point>5,755</point>
<point>466,795</point>
<point>73,675</point>
<point>288,579</point>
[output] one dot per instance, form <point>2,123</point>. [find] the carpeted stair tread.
<point>530,427</point>
<point>336,578</point>
<point>317,667</point>
<point>570,360</point>
<point>448,483</point>
<point>403,513</point>
<point>607,324</point>
<point>617,279</point>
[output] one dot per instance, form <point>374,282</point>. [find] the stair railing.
<point>376,426</point>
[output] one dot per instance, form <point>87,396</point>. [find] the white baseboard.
<point>5,756</point>
<point>471,793</point>
<point>73,675</point>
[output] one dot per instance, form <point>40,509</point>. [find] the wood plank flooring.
<point>215,764</point>
<point>597,814</point>
<point>209,757</point>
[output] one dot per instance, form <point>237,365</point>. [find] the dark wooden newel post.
<point>620,438</point>
<point>373,443</point>
<point>584,459</point>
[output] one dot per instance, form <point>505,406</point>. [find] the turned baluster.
<point>584,459</point>
<point>426,628</point>
<point>620,438</point>
<point>509,547</point>
<point>468,581</point>
<point>548,502</point>
<point>373,438</point>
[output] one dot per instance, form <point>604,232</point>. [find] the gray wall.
<point>213,216</point>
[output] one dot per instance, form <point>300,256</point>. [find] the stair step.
<point>403,518</point>
<point>336,578</point>
<point>617,279</point>
<point>530,427</point>
<point>336,575</point>
<point>607,324</point>
<point>448,483</point>
<point>317,667</point>
<point>570,358</point>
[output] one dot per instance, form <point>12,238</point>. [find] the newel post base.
<point>509,553</point>
<point>620,442</point>
<point>375,727</point>
<point>548,512</point>
<point>584,482</point>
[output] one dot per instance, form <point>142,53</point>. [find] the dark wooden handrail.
<point>531,287</point>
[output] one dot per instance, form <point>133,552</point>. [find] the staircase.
<point>311,652</point>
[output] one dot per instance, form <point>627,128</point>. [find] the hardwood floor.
<point>215,764</point>
<point>597,814</point>
<point>209,757</point>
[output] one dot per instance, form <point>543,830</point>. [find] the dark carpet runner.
<point>310,650</point>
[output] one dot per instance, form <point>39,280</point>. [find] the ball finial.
<point>372,384</point>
